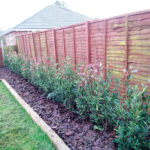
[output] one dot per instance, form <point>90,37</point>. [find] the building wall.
<point>10,38</point>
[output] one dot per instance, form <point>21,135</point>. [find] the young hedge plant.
<point>133,125</point>
<point>95,100</point>
<point>86,93</point>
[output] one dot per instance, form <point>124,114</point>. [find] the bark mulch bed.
<point>77,134</point>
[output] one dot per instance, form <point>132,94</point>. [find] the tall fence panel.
<point>120,43</point>
<point>1,58</point>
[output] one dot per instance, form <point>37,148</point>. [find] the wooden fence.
<point>122,42</point>
<point>1,58</point>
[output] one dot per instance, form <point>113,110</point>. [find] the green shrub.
<point>11,48</point>
<point>133,124</point>
<point>85,92</point>
<point>13,62</point>
<point>25,69</point>
<point>65,86</point>
<point>94,98</point>
<point>43,76</point>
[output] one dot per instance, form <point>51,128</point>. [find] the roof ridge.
<point>32,16</point>
<point>67,9</point>
<point>63,8</point>
<point>42,19</point>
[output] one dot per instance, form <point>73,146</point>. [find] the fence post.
<point>21,46</point>
<point>2,51</point>
<point>18,43</point>
<point>126,47</point>
<point>1,58</point>
<point>105,49</point>
<point>55,47</point>
<point>46,46</point>
<point>64,42</point>
<point>30,46</point>
<point>87,42</point>
<point>28,50</point>
<point>126,41</point>
<point>28,36</point>
<point>74,47</point>
<point>26,45</point>
<point>34,46</point>
<point>23,40</point>
<point>40,46</point>
<point>22,50</point>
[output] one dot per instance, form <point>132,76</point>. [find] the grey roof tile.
<point>52,16</point>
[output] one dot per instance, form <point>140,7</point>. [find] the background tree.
<point>60,3</point>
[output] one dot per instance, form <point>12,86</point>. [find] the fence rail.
<point>122,42</point>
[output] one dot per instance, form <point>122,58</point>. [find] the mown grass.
<point>17,130</point>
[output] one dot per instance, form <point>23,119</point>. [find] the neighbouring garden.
<point>17,130</point>
<point>89,97</point>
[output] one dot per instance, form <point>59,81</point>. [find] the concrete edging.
<point>56,140</point>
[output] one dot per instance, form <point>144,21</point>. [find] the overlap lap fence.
<point>1,58</point>
<point>122,42</point>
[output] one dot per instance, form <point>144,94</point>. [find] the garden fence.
<point>1,58</point>
<point>121,42</point>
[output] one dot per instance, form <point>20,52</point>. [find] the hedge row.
<point>86,93</point>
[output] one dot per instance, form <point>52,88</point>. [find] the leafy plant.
<point>94,98</point>
<point>13,62</point>
<point>44,77</point>
<point>133,128</point>
<point>26,68</point>
<point>87,93</point>
<point>65,86</point>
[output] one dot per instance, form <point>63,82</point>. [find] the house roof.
<point>6,32</point>
<point>53,16</point>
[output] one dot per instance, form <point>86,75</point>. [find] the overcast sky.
<point>12,12</point>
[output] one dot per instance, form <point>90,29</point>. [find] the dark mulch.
<point>77,134</point>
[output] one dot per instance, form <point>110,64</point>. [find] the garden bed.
<point>17,130</point>
<point>78,134</point>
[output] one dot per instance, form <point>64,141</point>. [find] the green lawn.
<point>17,130</point>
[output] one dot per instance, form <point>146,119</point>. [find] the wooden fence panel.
<point>1,58</point>
<point>60,46</point>
<point>80,43</point>
<point>37,46</point>
<point>139,48</point>
<point>117,48</point>
<point>50,45</point>
<point>31,45</point>
<point>43,47</point>
<point>98,45</point>
<point>120,43</point>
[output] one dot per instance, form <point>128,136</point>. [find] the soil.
<point>78,134</point>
